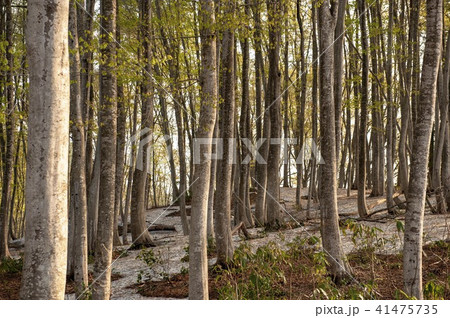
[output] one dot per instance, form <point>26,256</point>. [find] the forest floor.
<point>162,271</point>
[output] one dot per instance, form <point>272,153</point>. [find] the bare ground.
<point>171,245</point>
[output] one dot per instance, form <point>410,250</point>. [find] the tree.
<point>362,205</point>
<point>222,215</point>
<point>108,126</point>
<point>48,151</point>
<point>139,231</point>
<point>78,252</point>
<point>264,132</point>
<point>412,250</point>
<point>390,116</point>
<point>331,238</point>
<point>198,262</point>
<point>9,153</point>
<point>338,70</point>
<point>274,106</point>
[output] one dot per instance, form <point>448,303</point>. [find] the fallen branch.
<point>161,227</point>
<point>241,226</point>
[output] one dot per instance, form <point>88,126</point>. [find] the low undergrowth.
<point>298,270</point>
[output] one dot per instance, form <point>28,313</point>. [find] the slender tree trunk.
<point>301,108</point>
<point>390,117</point>
<point>261,167</point>
<point>85,27</point>
<point>362,206</point>
<point>274,106</point>
<point>93,195</point>
<point>222,215</point>
<point>120,148</point>
<point>446,152</point>
<point>107,134</point>
<point>10,129</point>
<point>412,251</point>
<point>338,71</point>
<point>286,146</point>
<point>78,194</point>
<point>331,239</point>
<point>139,231</point>
<point>198,262</point>
<point>438,166</point>
<point>312,191</point>
<point>127,210</point>
<point>48,151</point>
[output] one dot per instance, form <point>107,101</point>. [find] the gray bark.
<point>48,151</point>
<point>274,104</point>
<point>108,128</point>
<point>222,215</point>
<point>198,262</point>
<point>412,250</point>
<point>78,195</point>
<point>331,238</point>
<point>362,206</point>
<point>139,233</point>
<point>8,165</point>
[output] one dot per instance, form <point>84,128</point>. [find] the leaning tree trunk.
<point>139,231</point>
<point>78,194</point>
<point>328,185</point>
<point>107,117</point>
<point>412,251</point>
<point>198,262</point>
<point>44,271</point>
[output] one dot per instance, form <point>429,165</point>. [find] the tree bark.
<point>78,194</point>
<point>412,251</point>
<point>274,218</point>
<point>8,165</point>
<point>48,151</point>
<point>139,233</point>
<point>331,238</point>
<point>108,128</point>
<point>198,262</point>
<point>362,206</point>
<point>222,215</point>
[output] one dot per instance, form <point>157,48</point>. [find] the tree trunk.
<point>222,215</point>
<point>48,151</point>
<point>78,195</point>
<point>446,152</point>
<point>331,238</point>
<point>8,165</point>
<point>261,166</point>
<point>412,251</point>
<point>338,71</point>
<point>108,128</point>
<point>198,262</point>
<point>362,206</point>
<point>301,107</point>
<point>390,117</point>
<point>120,149</point>
<point>274,106</point>
<point>139,233</point>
